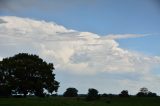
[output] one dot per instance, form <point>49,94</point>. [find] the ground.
<point>61,101</point>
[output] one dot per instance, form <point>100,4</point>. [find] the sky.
<point>110,45</point>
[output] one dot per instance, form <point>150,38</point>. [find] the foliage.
<point>4,91</point>
<point>144,90</point>
<point>104,95</point>
<point>140,94</point>
<point>145,93</point>
<point>124,93</point>
<point>71,92</point>
<point>26,73</point>
<point>92,94</point>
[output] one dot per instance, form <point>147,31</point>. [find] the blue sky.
<point>102,17</point>
<point>98,16</point>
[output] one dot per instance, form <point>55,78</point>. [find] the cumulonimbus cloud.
<point>70,50</point>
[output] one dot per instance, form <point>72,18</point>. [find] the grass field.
<point>61,101</point>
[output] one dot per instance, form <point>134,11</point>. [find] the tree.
<point>124,93</point>
<point>92,94</point>
<point>143,92</point>
<point>26,73</point>
<point>4,91</point>
<point>104,95</point>
<point>151,94</point>
<point>140,94</point>
<point>71,92</point>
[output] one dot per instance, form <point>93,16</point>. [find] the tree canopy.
<point>145,92</point>
<point>71,92</point>
<point>124,93</point>
<point>26,73</point>
<point>92,94</point>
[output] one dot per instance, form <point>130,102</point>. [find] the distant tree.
<point>104,95</point>
<point>71,92</point>
<point>124,93</point>
<point>144,90</point>
<point>151,94</point>
<point>26,73</point>
<point>92,94</point>
<point>140,94</point>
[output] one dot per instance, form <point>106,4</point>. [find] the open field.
<point>61,101</point>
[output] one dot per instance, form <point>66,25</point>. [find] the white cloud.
<point>92,58</point>
<point>70,50</point>
<point>1,58</point>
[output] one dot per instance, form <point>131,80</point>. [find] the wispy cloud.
<point>125,36</point>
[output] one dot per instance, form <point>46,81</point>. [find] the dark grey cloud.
<point>2,21</point>
<point>3,4</point>
<point>16,5</point>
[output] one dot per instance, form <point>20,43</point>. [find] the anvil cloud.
<point>71,50</point>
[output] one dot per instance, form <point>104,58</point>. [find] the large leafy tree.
<point>26,73</point>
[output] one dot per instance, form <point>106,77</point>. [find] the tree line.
<point>93,93</point>
<point>27,74</point>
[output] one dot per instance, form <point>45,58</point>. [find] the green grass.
<point>61,101</point>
